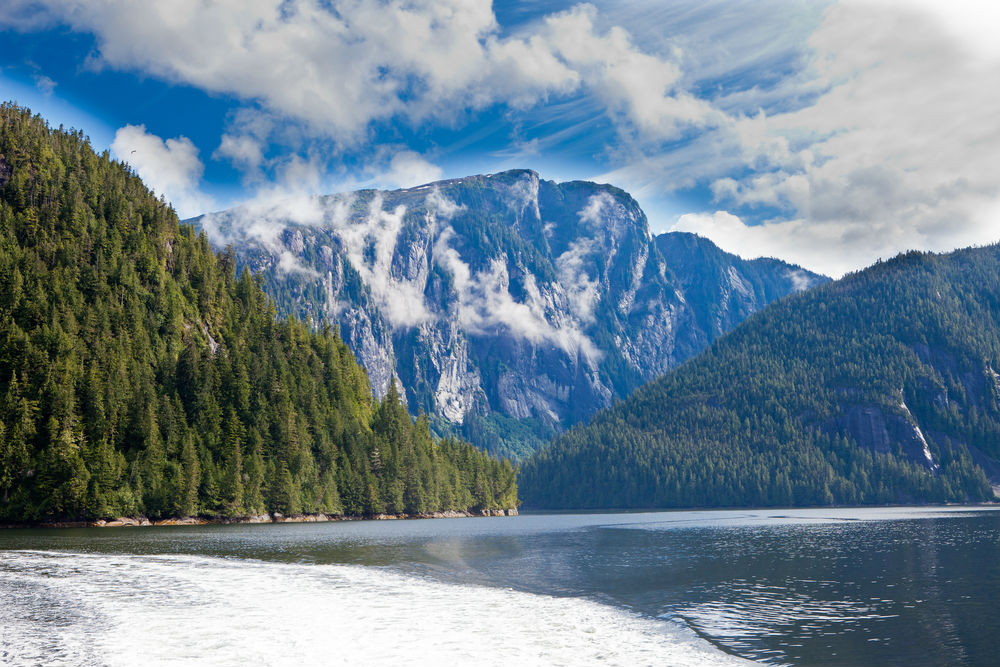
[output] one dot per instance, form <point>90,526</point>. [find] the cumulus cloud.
<point>886,142</point>
<point>794,241</point>
<point>407,169</point>
<point>170,168</point>
<point>245,152</point>
<point>339,67</point>
<point>867,126</point>
<point>897,154</point>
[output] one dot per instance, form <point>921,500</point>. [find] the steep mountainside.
<point>508,306</point>
<point>140,375</point>
<point>880,387</point>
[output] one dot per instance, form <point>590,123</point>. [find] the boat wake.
<point>100,609</point>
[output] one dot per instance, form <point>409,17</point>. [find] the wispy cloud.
<point>44,84</point>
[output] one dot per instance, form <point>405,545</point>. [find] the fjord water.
<point>898,586</point>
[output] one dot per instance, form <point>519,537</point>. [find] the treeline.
<point>140,375</point>
<point>878,388</point>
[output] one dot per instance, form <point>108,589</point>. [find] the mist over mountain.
<point>506,306</point>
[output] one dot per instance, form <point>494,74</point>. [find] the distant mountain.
<point>882,387</point>
<point>507,306</point>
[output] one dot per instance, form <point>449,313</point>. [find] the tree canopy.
<point>139,374</point>
<point>878,388</point>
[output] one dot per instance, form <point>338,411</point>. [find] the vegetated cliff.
<point>140,374</point>
<point>881,387</point>
<point>508,306</point>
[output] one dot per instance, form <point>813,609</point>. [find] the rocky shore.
<point>276,517</point>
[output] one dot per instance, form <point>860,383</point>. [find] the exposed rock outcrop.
<point>502,294</point>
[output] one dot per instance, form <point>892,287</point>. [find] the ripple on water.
<point>739,614</point>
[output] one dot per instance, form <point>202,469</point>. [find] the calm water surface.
<point>895,586</point>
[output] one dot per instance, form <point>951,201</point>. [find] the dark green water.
<point>806,587</point>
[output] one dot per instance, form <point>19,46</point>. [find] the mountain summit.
<point>506,305</point>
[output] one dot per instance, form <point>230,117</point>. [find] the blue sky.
<point>826,133</point>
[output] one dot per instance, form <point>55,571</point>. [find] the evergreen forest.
<point>141,375</point>
<point>881,387</point>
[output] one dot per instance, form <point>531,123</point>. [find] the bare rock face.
<point>501,299</point>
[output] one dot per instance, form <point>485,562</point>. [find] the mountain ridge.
<point>507,306</point>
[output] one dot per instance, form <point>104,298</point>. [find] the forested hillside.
<point>878,388</point>
<point>140,375</point>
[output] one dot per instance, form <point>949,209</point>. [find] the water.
<point>805,587</point>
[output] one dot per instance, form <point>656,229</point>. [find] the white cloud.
<point>731,234</point>
<point>800,279</point>
<point>903,145</point>
<point>44,84</point>
<point>369,244</point>
<point>581,290</point>
<point>337,69</point>
<point>485,303</point>
<point>408,169</point>
<point>440,206</point>
<point>591,212</point>
<point>819,248</point>
<point>369,241</point>
<point>245,152</point>
<point>289,263</point>
<point>972,24</point>
<point>895,150</point>
<point>642,87</point>
<point>170,168</point>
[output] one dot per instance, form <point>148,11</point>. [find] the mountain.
<point>507,306</point>
<point>881,387</point>
<point>140,375</point>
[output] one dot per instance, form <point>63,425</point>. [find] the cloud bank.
<point>829,134</point>
<point>895,153</point>
<point>339,67</point>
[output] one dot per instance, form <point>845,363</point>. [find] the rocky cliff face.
<point>505,305</point>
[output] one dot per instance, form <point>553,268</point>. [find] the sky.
<point>829,134</point>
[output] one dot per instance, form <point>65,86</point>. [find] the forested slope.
<point>140,375</point>
<point>881,387</point>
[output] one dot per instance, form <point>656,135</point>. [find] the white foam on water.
<point>70,608</point>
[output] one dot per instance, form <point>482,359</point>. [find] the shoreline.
<point>273,517</point>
